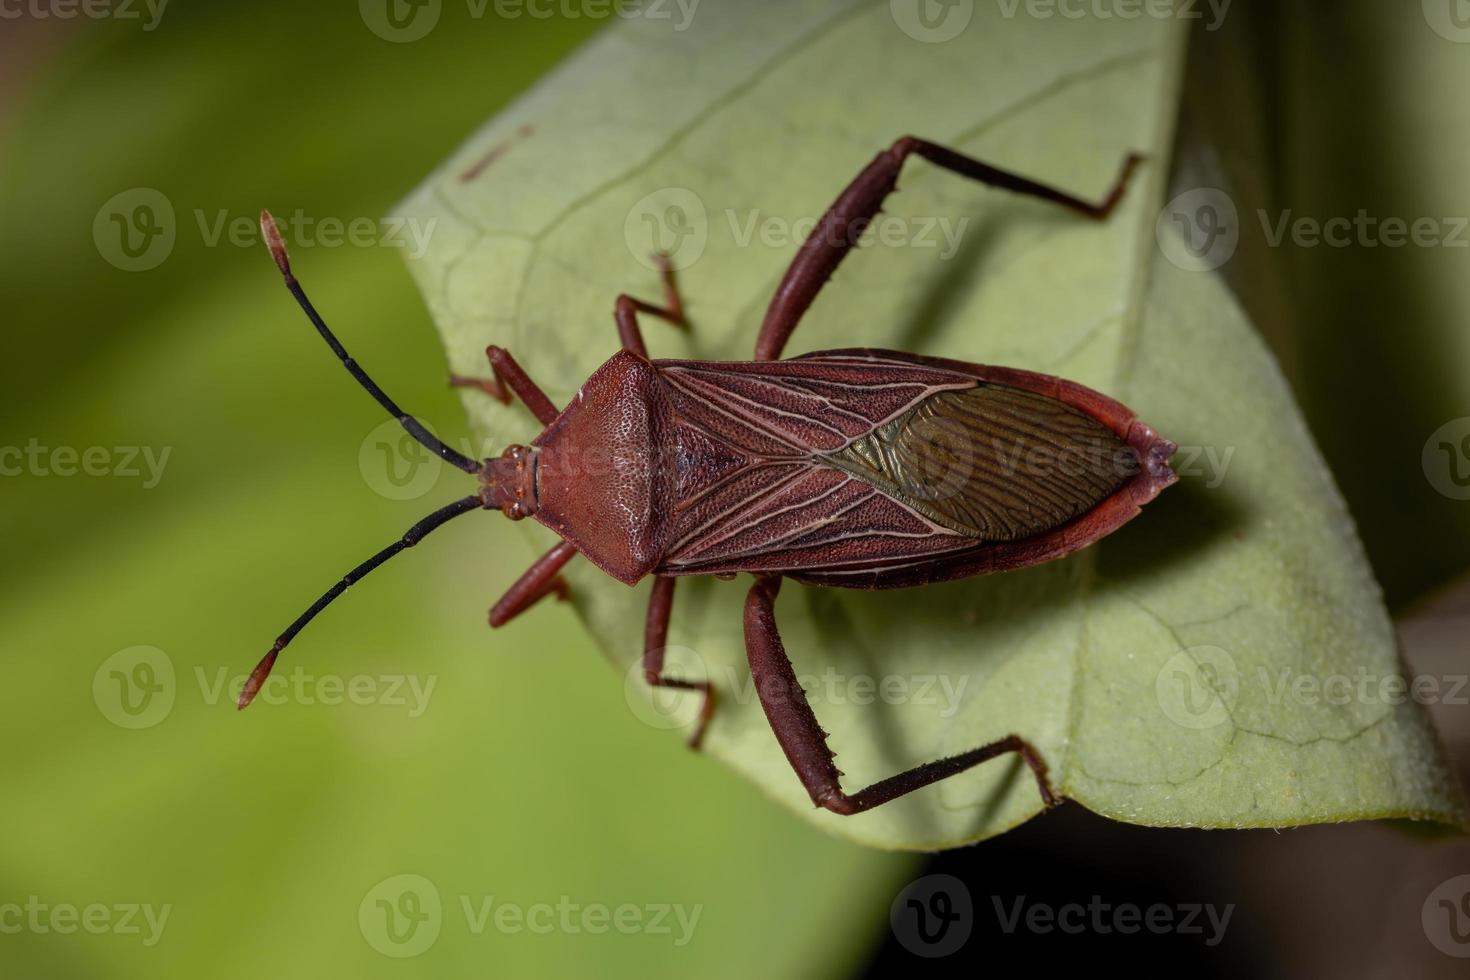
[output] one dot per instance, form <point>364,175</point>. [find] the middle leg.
<point>655,638</point>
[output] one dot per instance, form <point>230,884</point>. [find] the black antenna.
<point>414,428</point>
<point>412,425</point>
<point>415,534</point>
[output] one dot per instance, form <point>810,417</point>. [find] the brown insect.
<point>864,469</point>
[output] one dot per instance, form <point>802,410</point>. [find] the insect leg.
<point>626,310</point>
<point>673,310</point>
<point>509,378</point>
<point>804,742</point>
<point>655,636</point>
<point>539,581</point>
<point>847,218</point>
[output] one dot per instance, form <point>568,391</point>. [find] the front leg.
<point>540,580</point>
<point>508,378</point>
<point>855,208</point>
<point>804,742</point>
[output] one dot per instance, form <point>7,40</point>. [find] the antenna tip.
<point>257,678</point>
<point>275,242</point>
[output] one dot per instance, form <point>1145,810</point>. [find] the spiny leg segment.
<point>805,743</point>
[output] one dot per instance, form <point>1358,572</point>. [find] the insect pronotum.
<point>860,468</point>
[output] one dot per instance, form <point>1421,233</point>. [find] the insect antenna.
<point>414,536</point>
<point>412,425</point>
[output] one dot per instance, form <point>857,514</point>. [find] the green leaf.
<point>1159,672</point>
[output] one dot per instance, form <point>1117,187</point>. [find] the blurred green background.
<point>524,778</point>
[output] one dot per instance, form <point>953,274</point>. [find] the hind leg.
<point>804,742</point>
<point>842,225</point>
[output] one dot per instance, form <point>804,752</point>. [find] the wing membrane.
<point>994,463</point>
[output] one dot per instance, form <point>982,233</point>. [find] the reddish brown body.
<point>711,468</point>
<point>853,468</point>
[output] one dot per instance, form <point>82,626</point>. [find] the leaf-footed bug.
<point>856,468</point>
